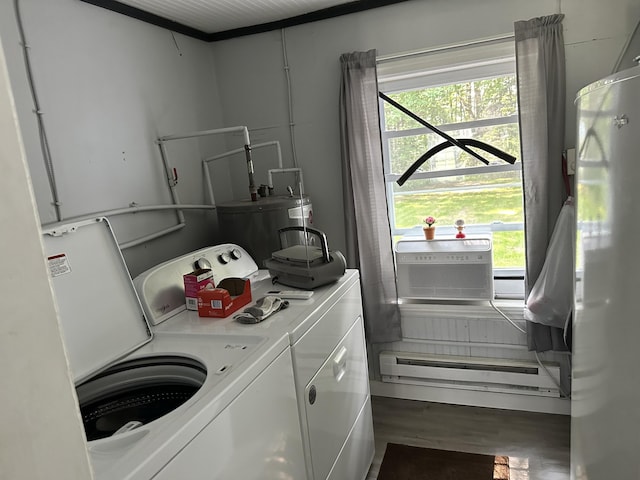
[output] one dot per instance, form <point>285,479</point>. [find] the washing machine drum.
<point>137,392</point>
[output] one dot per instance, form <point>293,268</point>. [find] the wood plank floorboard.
<point>538,444</point>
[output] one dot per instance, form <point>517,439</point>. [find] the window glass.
<point>454,103</point>
<point>488,203</point>
<point>406,149</point>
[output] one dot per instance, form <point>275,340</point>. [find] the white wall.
<point>109,86</point>
<point>250,71</point>
<point>41,434</point>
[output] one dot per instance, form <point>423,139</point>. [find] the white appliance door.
<point>257,437</point>
<point>334,397</point>
<point>606,381</point>
<point>100,313</point>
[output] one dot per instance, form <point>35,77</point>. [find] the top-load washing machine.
<point>146,398</point>
<point>166,394</point>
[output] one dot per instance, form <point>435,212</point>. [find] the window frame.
<point>509,282</point>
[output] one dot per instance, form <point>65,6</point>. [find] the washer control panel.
<point>161,288</point>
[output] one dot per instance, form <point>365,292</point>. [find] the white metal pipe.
<point>171,181</point>
<point>247,149</point>
<point>285,61</point>
<point>205,162</point>
<point>279,152</point>
<point>207,181</point>
<point>225,154</point>
<point>203,133</point>
<point>241,150</point>
<point>174,195</point>
<point>284,170</point>
<point>132,209</point>
<point>151,236</point>
<point>177,203</point>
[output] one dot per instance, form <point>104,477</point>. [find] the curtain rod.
<point>387,58</point>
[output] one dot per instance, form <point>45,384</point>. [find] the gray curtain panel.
<point>366,221</point>
<point>540,65</point>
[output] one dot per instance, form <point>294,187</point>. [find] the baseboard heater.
<point>470,373</point>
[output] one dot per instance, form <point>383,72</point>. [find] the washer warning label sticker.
<point>58,265</point>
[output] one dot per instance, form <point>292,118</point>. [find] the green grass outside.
<point>503,204</point>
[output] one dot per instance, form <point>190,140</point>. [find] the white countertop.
<point>292,321</point>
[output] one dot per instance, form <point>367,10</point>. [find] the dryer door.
<point>334,397</point>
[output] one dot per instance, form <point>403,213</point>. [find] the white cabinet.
<point>257,437</point>
<point>332,382</point>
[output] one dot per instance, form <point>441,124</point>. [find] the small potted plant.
<point>429,230</point>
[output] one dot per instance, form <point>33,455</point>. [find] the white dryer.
<point>150,401</point>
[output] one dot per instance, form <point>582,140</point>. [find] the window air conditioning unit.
<point>445,269</point>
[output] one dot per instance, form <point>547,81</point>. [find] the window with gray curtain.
<point>541,98</point>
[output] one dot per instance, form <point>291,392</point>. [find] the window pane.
<point>463,102</point>
<point>508,249</point>
<point>489,202</point>
<point>404,151</point>
<point>484,198</point>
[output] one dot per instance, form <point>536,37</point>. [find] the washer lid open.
<point>100,313</point>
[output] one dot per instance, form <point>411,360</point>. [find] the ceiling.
<point>212,20</point>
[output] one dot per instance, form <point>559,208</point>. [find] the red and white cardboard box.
<point>193,283</point>
<point>230,295</point>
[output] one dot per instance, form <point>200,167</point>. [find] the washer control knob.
<point>224,258</point>
<point>203,264</point>
<point>236,254</point>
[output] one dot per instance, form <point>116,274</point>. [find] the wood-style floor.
<point>538,445</point>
